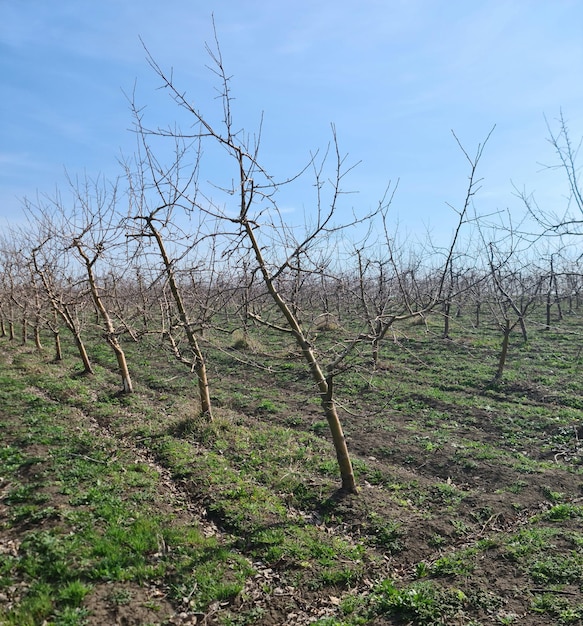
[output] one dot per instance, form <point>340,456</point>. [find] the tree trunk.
<point>342,455</point>
<point>121,360</point>
<point>101,311</point>
<point>58,349</point>
<point>324,384</point>
<point>504,351</point>
<point>56,336</point>
<point>559,307</point>
<point>375,352</point>
<point>199,360</point>
<point>446,310</point>
<point>24,330</point>
<point>61,310</point>
<point>70,322</point>
<point>523,328</point>
<point>87,367</point>
<point>37,340</point>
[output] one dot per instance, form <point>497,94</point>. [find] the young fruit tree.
<point>156,193</point>
<point>86,230</point>
<point>58,281</point>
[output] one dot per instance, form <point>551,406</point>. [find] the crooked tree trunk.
<point>37,321</point>
<point>54,326</point>
<point>65,314</point>
<point>375,353</point>
<point>121,359</point>
<point>101,310</point>
<point>87,367</point>
<point>523,328</point>
<point>62,311</point>
<point>68,318</point>
<point>199,360</point>
<point>342,454</point>
<point>325,384</point>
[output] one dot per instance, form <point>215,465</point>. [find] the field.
<point>128,509</point>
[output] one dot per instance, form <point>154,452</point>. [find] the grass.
<point>104,523</point>
<point>465,485</point>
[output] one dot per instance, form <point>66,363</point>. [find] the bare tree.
<point>273,252</point>
<point>198,363</point>
<point>8,270</point>
<point>89,232</point>
<point>172,246</point>
<point>566,221</point>
<point>93,233</point>
<point>60,284</point>
<point>516,291</point>
<point>399,290</point>
<point>552,296</point>
<point>20,286</point>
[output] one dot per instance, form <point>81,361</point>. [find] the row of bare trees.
<point>182,249</point>
<point>86,263</point>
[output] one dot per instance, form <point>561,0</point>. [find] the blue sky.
<point>395,77</point>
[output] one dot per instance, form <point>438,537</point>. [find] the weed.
<point>528,541</point>
<point>455,564</point>
<point>461,529</point>
<point>449,493</point>
<point>437,541</point>
<point>245,618</point>
<point>422,570</point>
<point>552,496</point>
<point>558,569</point>
<point>320,428</point>
<point>561,512</point>
<point>516,487</point>
<point>120,596</point>
<point>71,616</point>
<point>11,458</point>
<point>385,534</point>
<point>26,493</point>
<point>267,406</point>
<point>72,594</point>
<point>421,603</point>
<point>558,607</point>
